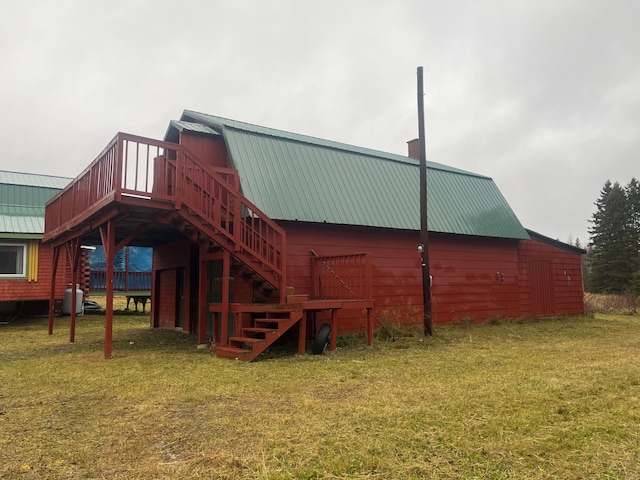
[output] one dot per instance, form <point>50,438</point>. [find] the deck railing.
<point>341,276</point>
<point>129,166</point>
<point>122,281</point>
<point>138,170</point>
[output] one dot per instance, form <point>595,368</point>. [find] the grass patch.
<point>545,399</point>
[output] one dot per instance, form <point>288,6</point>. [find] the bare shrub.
<point>623,304</point>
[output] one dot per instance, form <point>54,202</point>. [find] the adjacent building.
<point>25,266</point>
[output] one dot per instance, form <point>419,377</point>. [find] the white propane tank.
<point>66,303</point>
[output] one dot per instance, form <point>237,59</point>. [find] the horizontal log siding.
<point>20,289</point>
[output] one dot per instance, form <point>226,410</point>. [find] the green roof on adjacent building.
<point>22,200</point>
<point>301,178</point>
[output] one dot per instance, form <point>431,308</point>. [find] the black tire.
<point>322,339</point>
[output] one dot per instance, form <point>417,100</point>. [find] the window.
<point>13,259</point>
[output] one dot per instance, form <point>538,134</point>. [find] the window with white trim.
<point>13,259</point>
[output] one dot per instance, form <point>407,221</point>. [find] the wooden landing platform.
<point>302,306</point>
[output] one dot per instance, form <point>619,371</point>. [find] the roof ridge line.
<point>279,133</point>
<point>35,174</point>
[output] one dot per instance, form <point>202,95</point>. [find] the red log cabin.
<point>258,231</point>
<point>25,267</point>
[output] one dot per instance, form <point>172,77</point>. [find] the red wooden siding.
<point>475,278</point>
<point>472,277</point>
<point>385,251</point>
<point>210,150</point>
<point>550,280</point>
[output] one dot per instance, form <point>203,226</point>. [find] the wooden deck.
<point>146,192</point>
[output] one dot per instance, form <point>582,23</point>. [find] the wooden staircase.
<point>211,204</point>
<point>251,341</point>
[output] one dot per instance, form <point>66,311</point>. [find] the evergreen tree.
<point>633,197</point>
<point>614,240</point>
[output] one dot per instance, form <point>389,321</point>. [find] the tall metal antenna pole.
<point>423,248</point>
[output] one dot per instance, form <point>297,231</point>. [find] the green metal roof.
<point>22,200</point>
<point>176,126</point>
<point>33,180</point>
<point>301,178</point>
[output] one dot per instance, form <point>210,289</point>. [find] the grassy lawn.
<point>548,399</point>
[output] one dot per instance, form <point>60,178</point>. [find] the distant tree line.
<point>613,258</point>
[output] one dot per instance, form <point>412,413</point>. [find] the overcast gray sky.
<point>541,95</point>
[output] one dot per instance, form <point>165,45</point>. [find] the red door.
<point>541,287</point>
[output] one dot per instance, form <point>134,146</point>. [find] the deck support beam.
<point>108,237</point>
<point>334,329</point>
<point>73,254</point>
<point>202,298</point>
<point>226,276</point>
<point>52,296</point>
<point>302,334</point>
<point>221,316</point>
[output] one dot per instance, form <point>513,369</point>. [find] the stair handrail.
<point>268,246</point>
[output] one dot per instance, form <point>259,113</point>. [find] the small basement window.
<point>13,260</point>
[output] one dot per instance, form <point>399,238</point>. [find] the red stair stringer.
<point>246,258</point>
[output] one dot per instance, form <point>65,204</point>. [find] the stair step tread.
<point>233,349</point>
<point>259,330</point>
<point>246,339</point>
<point>262,321</point>
<point>232,352</point>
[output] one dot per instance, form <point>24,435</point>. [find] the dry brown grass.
<point>546,399</point>
<point>623,304</point>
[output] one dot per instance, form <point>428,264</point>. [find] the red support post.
<point>224,314</point>
<point>108,243</point>
<point>334,329</point>
<point>52,296</point>
<point>216,327</point>
<point>202,300</point>
<point>73,254</point>
<point>302,334</point>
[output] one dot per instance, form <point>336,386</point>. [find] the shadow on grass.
<point>27,337</point>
